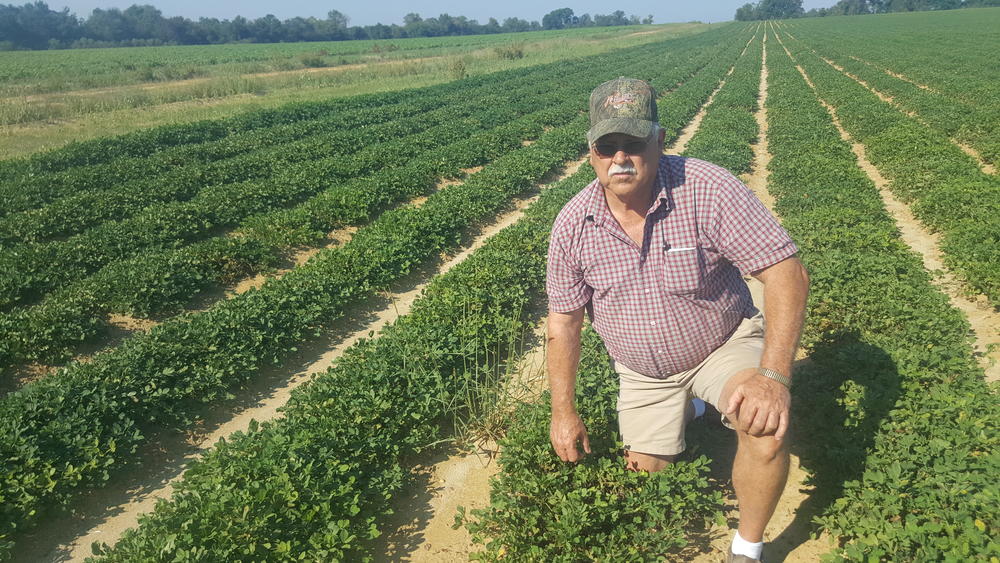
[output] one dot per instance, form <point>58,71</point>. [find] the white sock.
<point>744,547</point>
<point>699,407</point>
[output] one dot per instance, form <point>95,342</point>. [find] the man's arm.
<point>563,358</point>
<point>762,402</point>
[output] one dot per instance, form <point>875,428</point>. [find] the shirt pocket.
<point>682,271</point>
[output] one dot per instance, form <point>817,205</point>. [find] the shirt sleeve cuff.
<point>758,263</point>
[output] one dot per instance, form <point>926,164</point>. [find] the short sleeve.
<point>564,283</point>
<point>745,232</point>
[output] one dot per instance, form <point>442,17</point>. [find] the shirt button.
<point>653,323</point>
<point>647,291</point>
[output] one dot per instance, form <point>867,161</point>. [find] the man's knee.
<point>762,448</point>
<point>637,461</point>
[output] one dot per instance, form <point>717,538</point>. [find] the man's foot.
<point>733,558</point>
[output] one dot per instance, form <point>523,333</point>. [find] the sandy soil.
<point>983,319</point>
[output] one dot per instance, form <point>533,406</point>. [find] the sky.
<point>392,11</point>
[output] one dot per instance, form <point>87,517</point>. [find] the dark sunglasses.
<point>607,149</point>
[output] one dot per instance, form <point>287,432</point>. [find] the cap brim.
<point>625,125</point>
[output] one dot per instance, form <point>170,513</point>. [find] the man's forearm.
<point>562,359</point>
<point>786,287</point>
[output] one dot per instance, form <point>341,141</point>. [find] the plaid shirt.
<point>663,308</point>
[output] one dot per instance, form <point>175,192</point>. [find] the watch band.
<point>771,374</point>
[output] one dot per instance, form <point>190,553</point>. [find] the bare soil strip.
<point>678,146</point>
<point>114,509</point>
<point>985,322</point>
<point>896,75</point>
<point>986,167</point>
<point>788,534</point>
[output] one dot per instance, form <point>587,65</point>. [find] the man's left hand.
<point>759,406</point>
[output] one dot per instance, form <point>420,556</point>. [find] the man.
<point>655,249</point>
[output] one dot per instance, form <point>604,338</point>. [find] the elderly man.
<point>655,249</point>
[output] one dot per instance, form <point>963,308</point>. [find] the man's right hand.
<point>565,430</point>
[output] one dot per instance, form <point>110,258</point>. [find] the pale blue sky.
<point>392,11</point>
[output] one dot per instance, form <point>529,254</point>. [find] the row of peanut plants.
<point>893,419</point>
<point>80,198</point>
<point>943,186</point>
<point>36,191</point>
<point>69,432</point>
<point>150,142</point>
<point>947,51</point>
<point>543,509</point>
<point>975,122</point>
<point>161,282</point>
<point>728,128</point>
<point>33,269</point>
<point>318,483</point>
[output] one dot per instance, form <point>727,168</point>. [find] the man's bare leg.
<point>651,463</point>
<point>760,471</point>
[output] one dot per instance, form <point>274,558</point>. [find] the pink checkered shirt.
<point>663,308</point>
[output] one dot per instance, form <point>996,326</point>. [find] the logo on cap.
<point>619,100</point>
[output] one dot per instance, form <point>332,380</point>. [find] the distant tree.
<point>558,19</point>
<point>779,9</point>
<point>338,20</point>
<point>747,12</point>
<point>648,19</point>
<point>584,21</point>
<point>515,24</point>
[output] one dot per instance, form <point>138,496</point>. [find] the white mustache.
<point>620,169</point>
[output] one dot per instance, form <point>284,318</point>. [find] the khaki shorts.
<point>651,411</point>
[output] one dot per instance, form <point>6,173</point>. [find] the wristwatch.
<point>771,374</point>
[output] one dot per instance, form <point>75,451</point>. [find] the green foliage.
<point>543,509</point>
<point>902,428</point>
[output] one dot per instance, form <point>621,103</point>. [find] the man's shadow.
<point>840,396</point>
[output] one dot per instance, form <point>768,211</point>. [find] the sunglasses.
<point>607,149</point>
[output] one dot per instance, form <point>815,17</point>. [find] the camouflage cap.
<point>623,105</point>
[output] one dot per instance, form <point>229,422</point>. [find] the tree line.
<point>781,9</point>
<point>36,26</point>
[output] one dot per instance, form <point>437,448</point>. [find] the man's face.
<point>626,165</point>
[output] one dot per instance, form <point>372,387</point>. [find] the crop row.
<point>975,123</point>
<point>945,188</point>
<point>346,435</point>
<point>897,427</point>
<point>31,270</point>
<point>728,127</point>
<point>162,281</point>
<point>148,142</point>
<point>84,196</point>
<point>81,209</point>
<point>542,509</point>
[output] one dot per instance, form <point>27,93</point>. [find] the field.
<point>311,330</point>
<point>49,98</point>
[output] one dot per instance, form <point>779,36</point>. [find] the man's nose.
<point>620,157</point>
